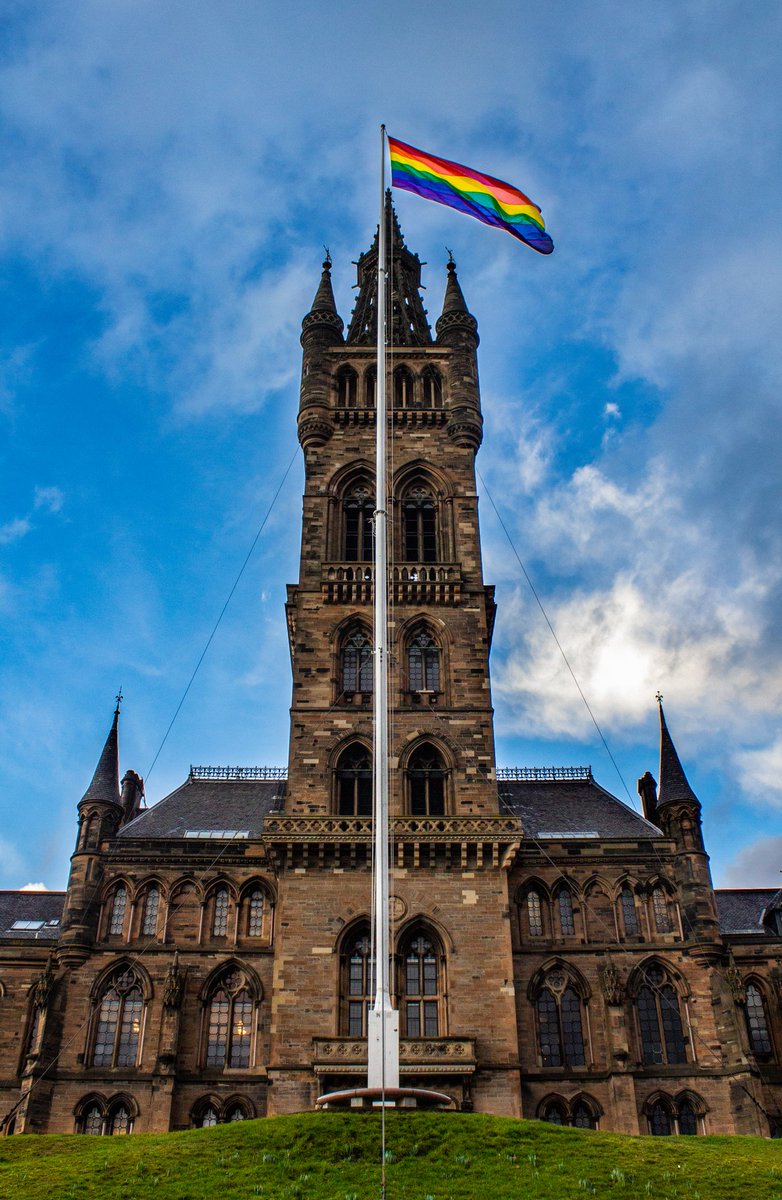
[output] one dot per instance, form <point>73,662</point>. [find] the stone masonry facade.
<point>556,954</point>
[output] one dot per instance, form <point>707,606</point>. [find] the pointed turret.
<point>457,330</point>
<point>456,319</point>
<point>674,786</point>
<point>105,781</point>
<point>323,318</point>
<point>410,326</point>
<point>101,813</point>
<point>321,330</point>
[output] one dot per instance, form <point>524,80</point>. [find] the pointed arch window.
<point>221,906</point>
<point>119,1121</point>
<point>422,990</point>
<point>567,925</point>
<point>687,1119</point>
<point>151,908</point>
<point>358,508</point>
<point>230,1009</point>
<point>560,1030</point>
<point>432,388</point>
<point>534,914</point>
<point>583,1116</point>
<point>660,1124</point>
<point>118,1021</point>
<point>627,909</point>
<point>208,1118</point>
<point>354,782</point>
<point>423,663</point>
<point>661,910</point>
<point>92,1120</point>
<point>757,1022</point>
<point>347,387</point>
<point>426,778</point>
<point>119,906</point>
<point>554,1113</point>
<point>357,663</point>
<point>659,1020</point>
<point>419,526</point>
<point>255,913</point>
<point>358,982</point>
<point>404,388</point>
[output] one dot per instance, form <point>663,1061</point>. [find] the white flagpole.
<point>383,1023</point>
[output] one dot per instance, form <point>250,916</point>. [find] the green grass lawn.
<point>336,1156</point>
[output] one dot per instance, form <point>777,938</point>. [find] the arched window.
<point>661,910</point>
<point>370,387</point>
<point>403,388</point>
<point>423,663</point>
<point>357,663</point>
<point>220,910</point>
<point>567,926</point>
<point>432,386</point>
<point>151,908</point>
<point>627,909</point>
<point>119,905</point>
<point>419,526</point>
<point>426,776</point>
<point>354,782</point>
<point>422,987</point>
<point>659,1020</point>
<point>534,914</point>
<point>554,1113</point>
<point>207,1118</point>
<point>560,1032</point>
<point>119,1120</point>
<point>229,1021</point>
<point>92,1121</point>
<point>255,913</point>
<point>119,1020</point>
<point>660,1124</point>
<point>583,1116</point>
<point>235,1113</point>
<point>687,1118</point>
<point>358,508</point>
<point>347,387</point>
<point>358,982</point>
<point>757,1022</point>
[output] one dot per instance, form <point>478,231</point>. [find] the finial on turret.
<point>659,698</point>
<point>451,259</point>
<point>119,698</point>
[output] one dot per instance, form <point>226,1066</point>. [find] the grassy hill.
<point>335,1156</point>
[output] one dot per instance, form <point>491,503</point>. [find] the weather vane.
<point>658,697</point>
<point>119,699</point>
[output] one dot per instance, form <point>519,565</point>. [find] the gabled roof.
<point>572,807</point>
<point>39,912</point>
<point>740,909</point>
<point>209,804</point>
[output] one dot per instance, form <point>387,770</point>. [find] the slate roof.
<point>572,806</point>
<point>740,909</point>
<point>31,906</point>
<point>238,804</point>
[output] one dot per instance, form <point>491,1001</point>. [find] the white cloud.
<point>34,887</point>
<point>760,771</point>
<point>13,530</point>
<point>51,499</point>
<point>756,865</point>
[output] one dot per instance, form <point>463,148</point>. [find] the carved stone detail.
<point>611,984</point>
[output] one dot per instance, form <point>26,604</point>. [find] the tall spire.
<point>105,781</point>
<point>673,782</point>
<point>409,324</point>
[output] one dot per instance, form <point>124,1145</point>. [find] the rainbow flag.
<point>469,191</point>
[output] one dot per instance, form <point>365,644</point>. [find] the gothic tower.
<point>450,841</point>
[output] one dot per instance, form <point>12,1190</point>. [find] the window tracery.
<point>423,663</point>
<point>354,782</point>
<point>118,908</point>
<point>151,908</point>
<point>628,911</point>
<point>567,926</point>
<point>419,525</point>
<point>357,663</point>
<point>358,982</point>
<point>426,780</point>
<point>220,910</point>
<point>560,1030</point>
<point>659,1020</point>
<point>661,911</point>
<point>229,1021</point>
<point>358,509</point>
<point>422,990</point>
<point>119,1021</point>
<point>757,1022</point>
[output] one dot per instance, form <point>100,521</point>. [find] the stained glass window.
<point>534,914</point>
<point>629,915</point>
<point>255,917</point>
<point>757,1025</point>
<point>118,1026</point>
<point>220,919</point>
<point>119,904</point>
<point>151,906</point>
<point>229,1023</point>
<point>565,904</point>
<point>662,915</point>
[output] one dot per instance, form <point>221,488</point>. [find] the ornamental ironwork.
<point>544,773</point>
<point>238,772</point>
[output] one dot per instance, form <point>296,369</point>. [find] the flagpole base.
<point>368,1099</point>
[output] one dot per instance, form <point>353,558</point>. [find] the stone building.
<point>556,954</point>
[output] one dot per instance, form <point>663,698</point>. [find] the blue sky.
<point>169,172</point>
